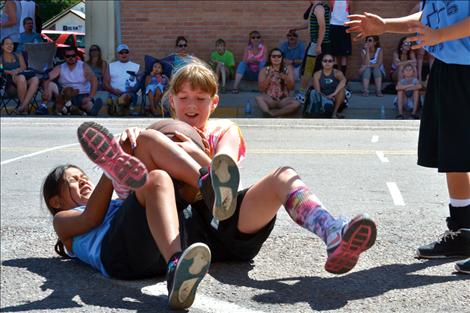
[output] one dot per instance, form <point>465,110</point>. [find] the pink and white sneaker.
<point>345,244</point>
<point>105,151</point>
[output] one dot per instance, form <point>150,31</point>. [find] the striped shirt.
<point>314,28</point>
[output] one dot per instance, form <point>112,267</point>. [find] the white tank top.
<point>340,12</point>
<point>28,9</point>
<point>74,78</point>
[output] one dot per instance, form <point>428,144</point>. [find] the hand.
<point>425,36</point>
<point>188,145</point>
<point>318,49</point>
<point>130,134</point>
<point>365,25</point>
<point>332,96</point>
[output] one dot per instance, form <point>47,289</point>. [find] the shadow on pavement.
<point>332,293</point>
<point>67,279</point>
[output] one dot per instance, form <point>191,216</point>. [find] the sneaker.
<point>450,244</point>
<point>105,151</point>
<point>300,96</point>
<point>347,241</point>
<point>185,271</point>
<point>221,190</point>
<point>463,266</point>
<point>42,109</point>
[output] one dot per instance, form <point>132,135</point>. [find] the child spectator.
<point>276,81</point>
<point>402,56</point>
<point>155,85</point>
<point>222,62</point>
<point>408,91</point>
<point>372,64</point>
<point>294,51</point>
<point>254,59</point>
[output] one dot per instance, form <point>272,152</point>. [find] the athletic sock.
<point>460,216</point>
<point>307,211</point>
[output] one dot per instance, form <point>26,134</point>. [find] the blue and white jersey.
<point>87,247</point>
<point>439,14</point>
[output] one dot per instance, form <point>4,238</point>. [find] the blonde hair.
<point>199,76</point>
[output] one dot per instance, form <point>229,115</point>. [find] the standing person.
<point>10,22</point>
<point>372,65</point>
<point>222,62</point>
<point>340,39</point>
<point>29,35</point>
<point>28,9</point>
<point>254,59</point>
<point>318,16</point>
<point>294,51</point>
<point>275,82</point>
<point>443,29</point>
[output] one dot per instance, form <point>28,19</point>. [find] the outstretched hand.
<point>365,25</point>
<point>425,36</point>
<point>130,134</point>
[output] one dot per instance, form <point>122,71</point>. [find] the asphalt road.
<point>353,166</point>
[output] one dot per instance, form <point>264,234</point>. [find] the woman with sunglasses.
<point>402,56</point>
<point>372,64</point>
<point>254,59</point>
<point>275,82</point>
<point>330,83</point>
<point>97,64</point>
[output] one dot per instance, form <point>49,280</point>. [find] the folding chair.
<point>6,96</point>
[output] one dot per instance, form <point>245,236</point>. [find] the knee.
<point>283,174</point>
<point>20,80</point>
<point>158,179</point>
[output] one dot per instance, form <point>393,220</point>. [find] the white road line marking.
<point>381,156</point>
<point>37,153</point>
<point>202,302</point>
<point>375,138</point>
<point>395,193</point>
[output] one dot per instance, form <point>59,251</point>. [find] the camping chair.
<point>7,97</point>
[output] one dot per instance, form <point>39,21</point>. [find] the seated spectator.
<point>408,91</point>
<point>180,56</point>
<point>254,59</point>
<point>122,83</point>
<point>372,64</point>
<point>76,78</point>
<point>24,82</point>
<point>97,65</point>
<point>275,82</point>
<point>28,36</point>
<point>404,55</point>
<point>330,83</point>
<point>222,62</point>
<point>155,85</point>
<point>294,51</point>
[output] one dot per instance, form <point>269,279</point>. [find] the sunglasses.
<point>370,40</point>
<point>277,56</point>
<point>292,36</point>
<point>327,61</point>
<point>69,56</point>
<point>255,37</point>
<point>124,52</point>
<point>94,49</point>
<point>182,46</point>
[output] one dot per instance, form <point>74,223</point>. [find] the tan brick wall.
<point>151,27</point>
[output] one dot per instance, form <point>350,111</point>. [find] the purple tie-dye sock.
<point>307,211</point>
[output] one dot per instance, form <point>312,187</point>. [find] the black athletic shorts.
<point>227,243</point>
<point>444,134</point>
<point>340,41</point>
<point>128,249</point>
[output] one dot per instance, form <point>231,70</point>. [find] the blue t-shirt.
<point>439,14</point>
<point>87,247</point>
<point>296,53</point>
<point>28,38</point>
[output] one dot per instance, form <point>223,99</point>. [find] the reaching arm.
<point>320,14</point>
<point>10,11</point>
<point>91,77</point>
<point>316,81</point>
<point>342,82</point>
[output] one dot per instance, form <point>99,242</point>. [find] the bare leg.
<point>458,185</point>
<point>415,101</point>
<point>286,106</point>
<point>365,86</point>
<point>378,84</point>
<point>33,84</point>
<point>238,78</point>
<point>263,102</point>
<point>339,99</point>
<point>158,198</point>
<point>20,82</point>
<point>400,100</point>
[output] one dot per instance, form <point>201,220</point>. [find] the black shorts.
<point>340,40</point>
<point>444,134</point>
<point>227,243</point>
<point>128,249</point>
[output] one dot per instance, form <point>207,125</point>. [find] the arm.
<point>316,81</point>
<point>301,27</point>
<point>10,11</point>
<point>147,80</point>
<point>90,76</point>
<point>71,223</point>
<point>264,79</point>
<point>320,14</point>
<point>289,78</point>
<point>342,82</point>
<point>380,60</point>
<point>22,63</point>
<point>107,84</point>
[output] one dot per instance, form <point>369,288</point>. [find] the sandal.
<point>400,117</point>
<point>235,91</point>
<point>337,115</point>
<point>379,94</point>
<point>365,93</point>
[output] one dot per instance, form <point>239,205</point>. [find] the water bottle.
<point>248,110</point>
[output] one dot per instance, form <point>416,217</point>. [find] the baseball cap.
<point>122,47</point>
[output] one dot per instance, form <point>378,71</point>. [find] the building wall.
<point>69,20</point>
<point>100,24</point>
<point>151,27</point>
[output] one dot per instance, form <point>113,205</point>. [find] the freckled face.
<point>193,106</point>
